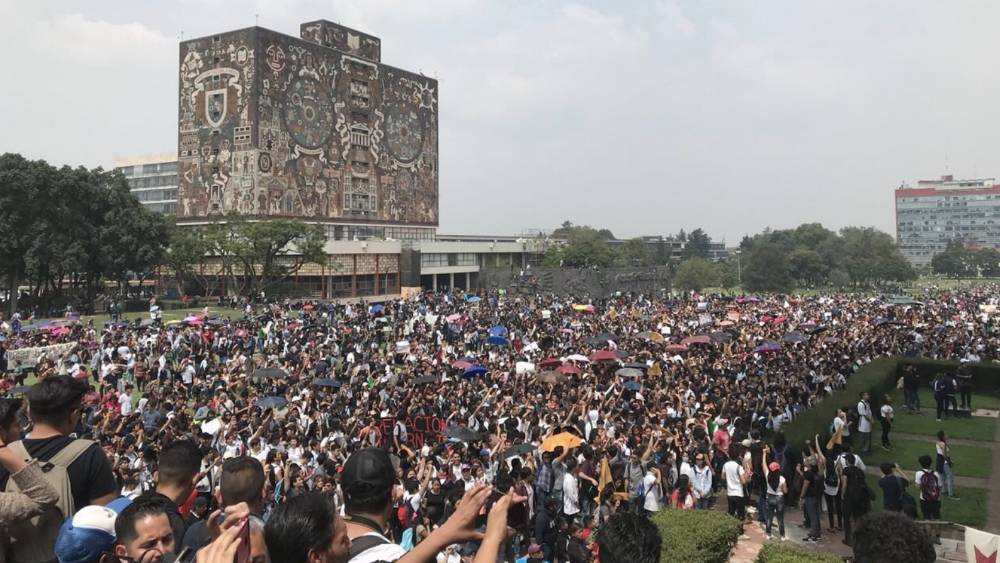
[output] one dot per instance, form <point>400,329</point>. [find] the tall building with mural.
<point>314,127</point>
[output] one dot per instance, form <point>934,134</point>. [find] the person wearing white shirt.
<point>571,489</point>
<point>736,477</point>
<point>125,400</point>
<point>865,424</point>
<point>652,485</point>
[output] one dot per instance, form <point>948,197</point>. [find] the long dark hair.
<point>774,480</point>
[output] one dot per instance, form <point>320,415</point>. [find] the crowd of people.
<point>453,427</point>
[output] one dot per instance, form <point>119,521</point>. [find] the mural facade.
<point>315,128</point>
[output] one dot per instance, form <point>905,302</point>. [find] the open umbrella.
<point>697,339</point>
<point>498,341</point>
<point>190,318</point>
<point>720,337</point>
<point>460,433</point>
<point>628,372</point>
<point>595,341</point>
<point>550,363</point>
<point>453,318</point>
<point>461,365</point>
<point>765,348</point>
<point>520,449</point>
<point>795,337</point>
<point>309,307</point>
<point>327,383</point>
<point>676,348</point>
<point>376,308</point>
<point>564,440</point>
<point>578,358</point>
<point>607,336</point>
<point>603,356</point>
<point>498,330</point>
<point>551,377</point>
<point>424,380</point>
<point>474,371</point>
<point>633,385</point>
<point>271,373</point>
<point>59,331</point>
<point>270,402</point>
<point>644,335</point>
<point>469,359</point>
<point>621,354</point>
<point>636,365</point>
<point>819,330</point>
<point>568,369</point>
<point>473,299</point>
<point>656,337</point>
<point>725,323</point>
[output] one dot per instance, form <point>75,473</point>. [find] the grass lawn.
<point>970,461</point>
<point>970,511</point>
<point>980,400</point>
<point>975,428</point>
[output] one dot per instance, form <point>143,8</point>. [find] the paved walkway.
<point>952,441</point>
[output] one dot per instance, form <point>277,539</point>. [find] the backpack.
<point>929,487</point>
<point>34,539</point>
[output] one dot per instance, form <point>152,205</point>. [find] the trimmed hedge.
<point>985,375</point>
<point>879,377</point>
<point>775,553</point>
<point>876,377</point>
<point>697,536</point>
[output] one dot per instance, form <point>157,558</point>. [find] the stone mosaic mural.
<point>315,128</point>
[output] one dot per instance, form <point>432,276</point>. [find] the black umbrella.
<point>270,402</point>
<point>819,330</point>
<point>520,449</point>
<point>795,336</point>
<point>643,335</point>
<point>424,379</point>
<point>327,383</point>
<point>460,433</point>
<point>595,341</point>
<point>607,336</point>
<point>732,332</point>
<point>637,365</point>
<point>622,354</point>
<point>720,337</point>
<point>272,373</point>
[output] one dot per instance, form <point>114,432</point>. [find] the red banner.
<point>417,430</point>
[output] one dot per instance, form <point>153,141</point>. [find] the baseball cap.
<point>534,548</point>
<point>90,532</point>
<point>367,473</point>
<point>774,466</point>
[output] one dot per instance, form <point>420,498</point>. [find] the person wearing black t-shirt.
<point>434,500</point>
<point>55,406</point>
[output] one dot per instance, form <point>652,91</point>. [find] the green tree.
<point>766,269</point>
<point>812,235</point>
<point>695,274</point>
<point>585,247</point>
<point>699,244</point>
<point>728,273</point>
<point>606,234</point>
<point>187,256</point>
<point>954,262</point>
<point>267,252</point>
<point>633,253</point>
<point>807,266</point>
<point>988,262</point>
<point>133,239</point>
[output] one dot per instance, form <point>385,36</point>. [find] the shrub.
<point>697,536</point>
<point>876,377</point>
<point>774,553</point>
<point>985,375</point>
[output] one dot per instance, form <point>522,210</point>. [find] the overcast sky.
<point>644,117</point>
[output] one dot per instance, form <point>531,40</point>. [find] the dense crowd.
<point>453,427</point>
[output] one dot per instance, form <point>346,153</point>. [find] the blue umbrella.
<point>105,323</point>
<point>498,340</point>
<point>498,330</point>
<point>474,371</point>
<point>473,299</point>
<point>469,359</point>
<point>633,385</point>
<point>327,383</point>
<point>376,308</point>
<point>270,402</point>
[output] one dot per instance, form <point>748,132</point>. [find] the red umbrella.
<point>461,365</point>
<point>780,320</point>
<point>568,369</point>
<point>700,339</point>
<point>550,363</point>
<point>676,348</point>
<point>603,356</point>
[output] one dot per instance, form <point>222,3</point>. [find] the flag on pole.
<point>981,547</point>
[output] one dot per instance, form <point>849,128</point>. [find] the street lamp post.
<point>739,267</point>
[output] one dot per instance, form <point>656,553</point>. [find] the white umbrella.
<point>578,358</point>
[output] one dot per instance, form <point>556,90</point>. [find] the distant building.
<point>937,212</point>
<point>314,127</point>
<point>153,179</point>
